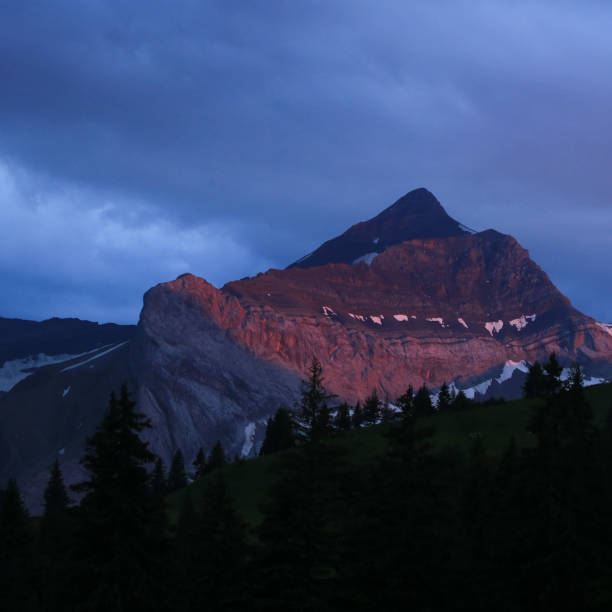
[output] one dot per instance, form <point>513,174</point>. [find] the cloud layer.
<point>141,139</point>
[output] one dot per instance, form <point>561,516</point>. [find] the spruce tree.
<point>184,595</point>
<point>280,433</point>
<point>406,403</point>
<point>567,497</point>
<point>342,421</point>
<point>553,371</point>
<point>372,408</point>
<point>217,457</point>
<point>16,552</point>
<point>177,477</point>
<point>422,402</point>
<point>396,538</point>
<point>55,544</point>
<point>219,553</point>
<point>314,420</point>
<point>120,545</point>
<point>357,417</point>
<point>56,498</point>
<point>159,485</point>
<point>461,401</point>
<point>200,464</point>
<point>535,384</point>
<point>444,398</point>
<point>300,530</point>
<point>387,415</point>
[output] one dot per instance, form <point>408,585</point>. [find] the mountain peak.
<point>418,214</point>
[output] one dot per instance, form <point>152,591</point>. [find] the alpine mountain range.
<point>410,297</point>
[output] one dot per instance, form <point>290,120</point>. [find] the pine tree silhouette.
<point>177,477</point>
<point>120,543</point>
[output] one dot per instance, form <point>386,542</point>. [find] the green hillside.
<point>495,424</point>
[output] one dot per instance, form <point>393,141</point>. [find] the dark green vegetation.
<point>500,506</point>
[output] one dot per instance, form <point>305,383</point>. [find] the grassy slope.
<point>496,424</point>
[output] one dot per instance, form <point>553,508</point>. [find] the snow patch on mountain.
<point>400,317</point>
<point>15,371</point>
<point>356,316</point>
<point>377,319</point>
<point>522,321</point>
<point>249,439</point>
<point>462,322</point>
<point>367,258</point>
<point>494,326</point>
<point>588,382</point>
<point>81,363</point>
<point>439,320</point>
<point>328,312</point>
<point>508,370</point>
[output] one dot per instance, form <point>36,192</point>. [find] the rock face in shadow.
<point>194,381</point>
<point>418,214</point>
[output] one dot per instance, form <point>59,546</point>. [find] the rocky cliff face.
<point>444,305</point>
<point>424,311</point>
<point>196,383</point>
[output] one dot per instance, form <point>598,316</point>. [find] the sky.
<point>142,140</point>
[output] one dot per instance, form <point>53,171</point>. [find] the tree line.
<point>420,528</point>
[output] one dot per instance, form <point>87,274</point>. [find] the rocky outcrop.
<point>424,311</point>
<point>195,382</point>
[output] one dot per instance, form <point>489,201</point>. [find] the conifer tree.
<point>177,477</point>
<point>300,530</point>
<point>217,457</point>
<point>199,464</point>
<point>55,543</point>
<point>553,371</point>
<point>16,552</point>
<point>461,401</point>
<point>406,403</point>
<point>159,484</point>
<point>568,498</point>
<point>402,525</point>
<point>444,398</point>
<point>184,594</point>
<point>314,421</point>
<point>372,408</point>
<point>56,498</point>
<point>535,384</point>
<point>357,417</point>
<point>120,545</point>
<point>219,553</point>
<point>386,413</point>
<point>422,402</point>
<point>280,433</point>
<point>343,418</point>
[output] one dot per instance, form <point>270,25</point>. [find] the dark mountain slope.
<point>418,214</point>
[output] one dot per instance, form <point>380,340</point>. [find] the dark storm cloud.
<point>227,136</point>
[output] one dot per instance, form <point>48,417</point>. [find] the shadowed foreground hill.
<point>494,424</point>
